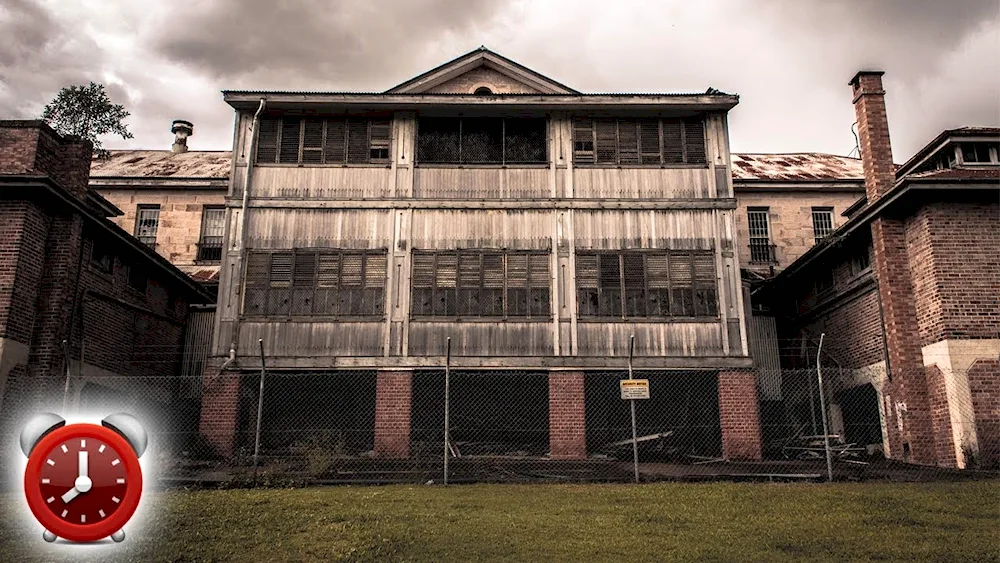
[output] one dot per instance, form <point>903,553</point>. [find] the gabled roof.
<point>796,167</point>
<point>991,133</point>
<point>479,58</point>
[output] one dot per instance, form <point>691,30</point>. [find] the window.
<point>861,262</point>
<point>147,221</point>
<point>308,282</point>
<point>761,249</point>
<point>977,153</point>
<point>101,256</point>
<point>481,283</point>
<point>822,222</point>
<point>638,141</point>
<point>482,140</point>
<point>483,91</point>
<point>136,278</point>
<point>652,284</point>
<point>324,141</point>
<point>824,280</point>
<point>212,230</point>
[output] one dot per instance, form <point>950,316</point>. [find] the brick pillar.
<point>567,415</point>
<point>984,386</point>
<point>220,402</point>
<point>739,415</point>
<point>393,397</point>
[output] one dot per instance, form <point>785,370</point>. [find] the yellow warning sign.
<point>634,388</point>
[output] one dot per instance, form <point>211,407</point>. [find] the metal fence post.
<point>260,410</point>
<point>447,383</point>
<point>822,406</point>
<point>635,443</point>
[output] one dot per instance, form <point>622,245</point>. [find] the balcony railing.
<point>763,253</point>
<point>210,251</point>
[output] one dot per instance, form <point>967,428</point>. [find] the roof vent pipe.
<point>181,130</point>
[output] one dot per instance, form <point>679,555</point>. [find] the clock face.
<point>83,482</point>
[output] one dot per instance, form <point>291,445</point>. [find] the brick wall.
<point>738,412</point>
<point>23,233</point>
<point>853,334</point>
<point>18,148</point>
<point>984,383</point>
<point>220,402</point>
<point>567,415</point>
<point>393,398</point>
<point>956,270</point>
<point>937,398</point>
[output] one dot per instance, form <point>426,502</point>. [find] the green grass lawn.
<point>953,522</point>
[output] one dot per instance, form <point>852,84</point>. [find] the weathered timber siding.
<point>481,183</point>
<point>300,228</point>
<point>481,339</point>
<point>323,182</point>
<point>689,230</point>
<point>313,339</point>
<point>651,339</point>
<point>446,229</point>
<point>641,183</point>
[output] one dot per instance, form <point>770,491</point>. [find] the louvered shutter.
<point>312,141</point>
<point>634,277</point>
<point>289,149</point>
<point>257,274</point>
<point>628,141</point>
<point>375,273</point>
<point>681,285</point>
<point>381,131</point>
<point>606,148</point>
<point>673,147</point>
<point>539,280</point>
<point>658,283</point>
<point>303,283</point>
<point>358,143</point>
<point>423,283</point>
<point>694,141</point>
<point>335,151</point>
<point>445,284</point>
<point>586,284</point>
<point>327,300</point>
<point>583,141</point>
<point>517,285</point>
<point>468,283</point>
<point>705,299</point>
<point>491,297</point>
<point>351,289</point>
<point>649,141</point>
<point>279,296</point>
<point>609,271</point>
<point>267,141</point>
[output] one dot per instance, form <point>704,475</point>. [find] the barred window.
<point>822,222</point>
<point>646,141</point>
<point>304,282</point>
<point>481,283</point>
<point>761,249</point>
<point>323,141</point>
<point>147,222</point>
<point>213,226</point>
<point>646,284</point>
<point>482,140</point>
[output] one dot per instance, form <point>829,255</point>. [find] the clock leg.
<point>48,536</point>
<point>118,536</point>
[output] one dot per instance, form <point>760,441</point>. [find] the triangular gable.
<point>481,67</point>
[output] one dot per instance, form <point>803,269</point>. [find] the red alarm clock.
<point>83,481</point>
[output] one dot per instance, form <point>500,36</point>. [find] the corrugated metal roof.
<point>796,167</point>
<point>163,164</point>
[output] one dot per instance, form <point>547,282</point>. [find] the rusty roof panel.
<point>796,167</point>
<point>163,164</point>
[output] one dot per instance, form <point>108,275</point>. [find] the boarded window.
<point>638,142</point>
<point>315,282</point>
<point>481,283</point>
<point>481,140</point>
<point>646,284</point>
<point>296,140</point>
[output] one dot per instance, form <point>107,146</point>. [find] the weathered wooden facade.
<point>535,226</point>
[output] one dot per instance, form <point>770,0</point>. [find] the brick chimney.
<point>181,130</point>
<point>873,133</point>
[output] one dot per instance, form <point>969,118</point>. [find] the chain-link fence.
<point>382,426</point>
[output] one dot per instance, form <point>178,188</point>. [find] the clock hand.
<point>70,495</point>
<point>83,464</point>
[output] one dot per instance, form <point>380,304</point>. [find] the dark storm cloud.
<point>38,55</point>
<point>315,43</point>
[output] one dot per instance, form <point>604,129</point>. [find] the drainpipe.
<point>243,232</point>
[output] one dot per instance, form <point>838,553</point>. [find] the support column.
<point>567,415</point>
<point>739,415</point>
<point>393,397</point>
<point>220,408</point>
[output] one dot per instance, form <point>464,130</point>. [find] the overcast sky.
<point>789,60</point>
